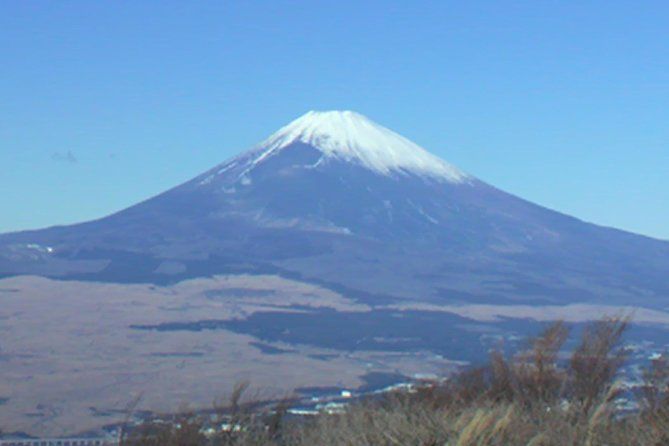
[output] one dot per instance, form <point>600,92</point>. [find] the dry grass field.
<point>70,360</point>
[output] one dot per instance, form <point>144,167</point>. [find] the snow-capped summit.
<point>352,137</point>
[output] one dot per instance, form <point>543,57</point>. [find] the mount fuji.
<point>336,254</point>
<point>336,199</point>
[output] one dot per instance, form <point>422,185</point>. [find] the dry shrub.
<point>654,398</point>
<point>596,361</point>
<point>238,421</point>
<point>183,429</point>
<point>539,378</point>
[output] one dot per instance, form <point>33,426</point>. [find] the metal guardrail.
<point>59,442</point>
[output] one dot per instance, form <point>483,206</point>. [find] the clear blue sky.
<point>105,103</point>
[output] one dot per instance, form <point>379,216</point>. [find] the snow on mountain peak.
<point>352,137</point>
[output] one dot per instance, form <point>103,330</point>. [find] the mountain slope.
<point>336,198</point>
